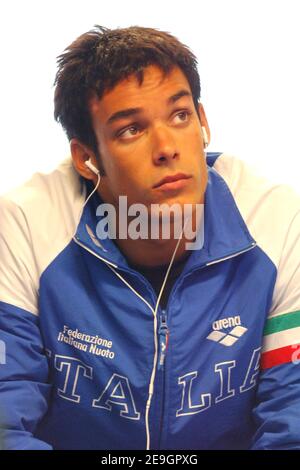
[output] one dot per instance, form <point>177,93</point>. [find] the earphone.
<point>89,164</point>
<point>205,137</point>
<point>95,170</point>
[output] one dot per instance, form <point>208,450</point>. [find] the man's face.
<point>140,147</point>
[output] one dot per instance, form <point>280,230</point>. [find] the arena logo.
<point>226,323</point>
<point>161,221</point>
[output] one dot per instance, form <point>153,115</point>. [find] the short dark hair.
<point>97,60</point>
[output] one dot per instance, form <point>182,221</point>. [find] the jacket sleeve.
<point>24,391</point>
<point>277,408</point>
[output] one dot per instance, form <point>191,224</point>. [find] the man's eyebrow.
<point>179,95</point>
<point>123,114</point>
<point>133,111</point>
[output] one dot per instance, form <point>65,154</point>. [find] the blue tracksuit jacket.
<point>82,352</point>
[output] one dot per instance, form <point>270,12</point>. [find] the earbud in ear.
<point>205,137</point>
<point>89,164</point>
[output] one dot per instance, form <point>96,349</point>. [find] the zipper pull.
<point>163,339</point>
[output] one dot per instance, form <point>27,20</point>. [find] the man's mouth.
<point>172,182</point>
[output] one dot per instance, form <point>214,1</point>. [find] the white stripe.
<point>231,256</point>
<point>281,339</point>
<point>130,287</point>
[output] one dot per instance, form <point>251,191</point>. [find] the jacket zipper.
<point>163,333</point>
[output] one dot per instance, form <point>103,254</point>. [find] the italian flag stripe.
<point>280,356</point>
<point>281,340</point>
<point>282,322</point>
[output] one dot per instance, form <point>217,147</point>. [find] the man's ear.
<point>80,154</point>
<point>203,120</point>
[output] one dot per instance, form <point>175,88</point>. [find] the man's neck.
<point>151,253</point>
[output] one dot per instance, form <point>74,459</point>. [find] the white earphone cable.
<point>151,385</point>
<point>86,201</point>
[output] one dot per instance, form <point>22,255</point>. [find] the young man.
<point>123,342</point>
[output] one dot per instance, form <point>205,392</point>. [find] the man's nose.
<point>164,148</point>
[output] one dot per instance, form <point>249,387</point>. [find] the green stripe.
<point>282,322</point>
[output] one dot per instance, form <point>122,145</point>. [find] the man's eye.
<point>129,132</point>
<point>183,116</point>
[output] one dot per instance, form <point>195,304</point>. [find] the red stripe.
<point>280,356</point>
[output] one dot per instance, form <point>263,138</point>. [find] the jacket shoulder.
<point>268,208</point>
<point>42,213</point>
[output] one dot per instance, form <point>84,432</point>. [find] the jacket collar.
<point>225,232</point>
